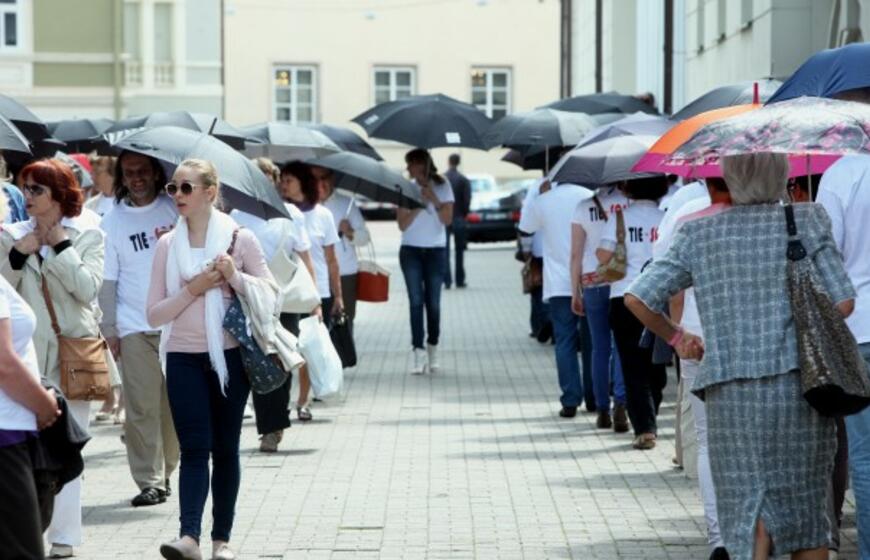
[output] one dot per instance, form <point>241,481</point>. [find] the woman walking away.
<point>423,256</point>
<point>771,453</point>
<point>644,381</point>
<point>63,250</point>
<point>197,266</point>
<point>299,187</point>
<point>24,407</point>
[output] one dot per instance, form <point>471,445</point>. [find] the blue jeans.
<point>566,334</point>
<point>858,433</point>
<point>423,269</point>
<point>606,368</point>
<point>540,311</point>
<point>207,423</point>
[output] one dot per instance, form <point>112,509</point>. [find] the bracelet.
<point>678,336</point>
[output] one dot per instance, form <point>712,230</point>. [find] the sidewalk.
<point>472,462</point>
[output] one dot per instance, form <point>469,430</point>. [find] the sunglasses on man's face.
<point>34,189</point>
<point>184,188</point>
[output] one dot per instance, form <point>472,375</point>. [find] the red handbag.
<point>373,281</point>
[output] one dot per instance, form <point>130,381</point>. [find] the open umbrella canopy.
<point>347,140</point>
<point>427,121</point>
<point>533,157</point>
<point>28,123</point>
<point>81,135</point>
<point>373,179</point>
<point>806,128</point>
<point>595,103</point>
<point>12,141</point>
<point>638,124</point>
<point>656,159</point>
<point>283,142</point>
<point>728,96</point>
<point>540,127</point>
<point>602,163</point>
<point>827,73</point>
<point>245,186</point>
<point>200,122</point>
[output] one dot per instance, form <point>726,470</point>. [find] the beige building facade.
<point>326,61</point>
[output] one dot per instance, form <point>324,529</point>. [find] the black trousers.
<point>273,409</point>
<point>20,528</point>
<point>644,381</point>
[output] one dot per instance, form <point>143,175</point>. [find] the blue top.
<point>736,262</point>
<point>17,206</point>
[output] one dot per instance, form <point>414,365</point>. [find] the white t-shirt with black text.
<point>589,217</point>
<point>642,218</point>
<point>322,232</point>
<point>550,214</point>
<point>426,230</point>
<point>131,239</point>
<point>13,415</point>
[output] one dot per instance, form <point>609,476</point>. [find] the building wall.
<point>441,41</point>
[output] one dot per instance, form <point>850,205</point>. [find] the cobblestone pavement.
<point>471,462</point>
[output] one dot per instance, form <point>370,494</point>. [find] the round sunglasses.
<point>184,187</point>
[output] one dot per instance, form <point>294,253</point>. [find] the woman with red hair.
<point>64,249</point>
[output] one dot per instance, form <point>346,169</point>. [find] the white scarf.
<point>180,266</point>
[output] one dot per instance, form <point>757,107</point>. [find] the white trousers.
<point>66,521</point>
<point>689,371</point>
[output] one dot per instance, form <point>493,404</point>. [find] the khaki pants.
<point>152,446</point>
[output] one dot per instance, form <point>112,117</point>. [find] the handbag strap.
<point>620,226</point>
<point>45,294</point>
<point>796,250</point>
<point>601,209</point>
<point>233,242</point>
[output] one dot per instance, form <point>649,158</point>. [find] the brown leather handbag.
<point>616,268</point>
<point>84,370</point>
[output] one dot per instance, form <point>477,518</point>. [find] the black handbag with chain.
<point>833,373</point>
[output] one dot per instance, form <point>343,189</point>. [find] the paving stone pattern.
<point>471,462</point>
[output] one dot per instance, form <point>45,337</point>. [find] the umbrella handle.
<point>211,128</point>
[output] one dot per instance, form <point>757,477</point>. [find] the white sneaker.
<point>60,551</point>
<point>432,352</point>
<point>418,358</point>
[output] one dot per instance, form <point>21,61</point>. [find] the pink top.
<point>187,310</point>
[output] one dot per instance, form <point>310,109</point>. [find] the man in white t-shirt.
<point>532,247</point>
<point>684,311</point>
<point>352,233</point>
<point>845,193</point>
<point>591,301</point>
<point>132,229</point>
<point>551,213</point>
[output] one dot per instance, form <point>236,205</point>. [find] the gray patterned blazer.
<point>736,262</point>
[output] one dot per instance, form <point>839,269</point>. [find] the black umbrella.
<point>602,163</point>
<point>347,140</point>
<point>200,122</point>
<point>23,118</point>
<point>372,179</point>
<point>246,187</point>
<point>427,121</point>
<point>81,135</point>
<point>596,103</point>
<point>282,141</point>
<point>540,127</point>
<point>638,124</point>
<point>728,96</point>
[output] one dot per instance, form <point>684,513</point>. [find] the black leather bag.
<point>833,373</point>
<point>341,333</point>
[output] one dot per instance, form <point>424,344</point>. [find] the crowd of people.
<point>650,272</point>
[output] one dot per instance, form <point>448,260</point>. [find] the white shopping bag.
<point>324,365</point>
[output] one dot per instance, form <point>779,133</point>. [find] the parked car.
<point>372,210</point>
<point>494,212</point>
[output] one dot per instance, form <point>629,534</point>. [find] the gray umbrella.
<point>200,122</point>
<point>602,163</point>
<point>282,142</point>
<point>372,179</point>
<point>540,127</point>
<point>245,186</point>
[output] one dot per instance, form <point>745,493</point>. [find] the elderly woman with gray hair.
<point>771,453</point>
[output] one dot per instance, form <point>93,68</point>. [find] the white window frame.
<point>18,9</point>
<point>292,104</point>
<point>488,106</point>
<point>392,71</point>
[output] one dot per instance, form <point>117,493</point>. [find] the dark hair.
<point>419,155</point>
<point>302,172</point>
<point>121,191</point>
<point>801,183</point>
<point>647,188</point>
<point>454,160</point>
<point>859,95</point>
<point>60,180</point>
<point>718,184</point>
